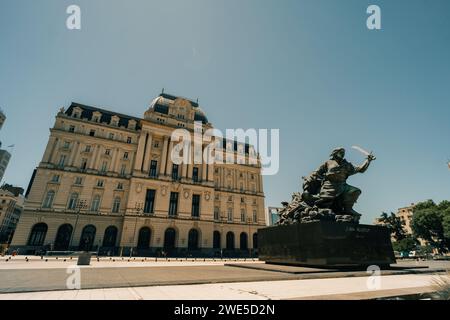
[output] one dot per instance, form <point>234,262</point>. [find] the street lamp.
<point>222,220</point>
<point>249,221</point>
<point>81,205</point>
<point>139,209</point>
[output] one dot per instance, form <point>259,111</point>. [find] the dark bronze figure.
<point>326,194</point>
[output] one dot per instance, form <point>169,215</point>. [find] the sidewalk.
<point>336,288</point>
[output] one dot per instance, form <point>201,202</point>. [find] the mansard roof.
<point>88,112</point>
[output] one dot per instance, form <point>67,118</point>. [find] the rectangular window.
<point>125,155</point>
<point>104,167</point>
<point>195,174</point>
<point>92,133</point>
<point>78,180</point>
<point>149,201</point>
<point>230,214</point>
<point>196,205</point>
<point>173,205</point>
<point>111,136</point>
<point>123,170</point>
<point>216,213</point>
<point>62,160</point>
<point>87,149</point>
<point>175,172</point>
<point>72,129</point>
<point>255,216</point>
<point>120,186</point>
<point>129,140</point>
<point>55,178</point>
<point>242,215</point>
<point>100,183</point>
<point>66,144</point>
<point>83,164</point>
<point>153,166</point>
<point>107,152</point>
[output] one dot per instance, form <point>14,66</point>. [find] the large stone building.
<point>107,182</point>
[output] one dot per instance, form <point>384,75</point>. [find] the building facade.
<point>11,207</point>
<point>272,216</point>
<point>107,182</point>
<point>5,156</point>
<point>2,118</point>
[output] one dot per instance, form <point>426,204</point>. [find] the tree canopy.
<point>431,222</point>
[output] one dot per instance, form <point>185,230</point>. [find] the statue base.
<point>326,244</point>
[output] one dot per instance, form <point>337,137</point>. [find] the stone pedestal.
<point>84,259</point>
<point>326,244</point>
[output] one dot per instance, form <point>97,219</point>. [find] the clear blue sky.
<point>310,68</point>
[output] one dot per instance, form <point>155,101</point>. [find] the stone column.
<point>184,168</point>
<point>114,159</point>
<point>55,151</point>
<point>140,152</point>
<point>117,163</point>
<point>162,167</point>
<point>74,154</point>
<point>210,169</point>
<point>99,154</point>
<point>49,149</point>
<point>204,177</point>
<point>169,160</point>
<point>93,158</point>
<point>190,168</point>
<point>148,153</point>
<point>260,178</point>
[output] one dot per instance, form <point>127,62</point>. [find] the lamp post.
<point>222,220</point>
<point>138,207</point>
<point>81,205</point>
<point>249,221</point>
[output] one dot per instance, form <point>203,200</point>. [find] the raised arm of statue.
<point>363,167</point>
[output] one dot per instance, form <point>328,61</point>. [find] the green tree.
<point>431,222</point>
<point>408,243</point>
<point>395,224</point>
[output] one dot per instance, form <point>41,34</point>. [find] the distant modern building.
<point>2,118</point>
<point>5,156</point>
<point>406,215</point>
<point>272,216</point>
<point>11,206</point>
<point>107,182</point>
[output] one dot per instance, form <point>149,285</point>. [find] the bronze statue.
<point>326,194</point>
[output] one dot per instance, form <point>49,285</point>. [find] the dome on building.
<point>178,107</point>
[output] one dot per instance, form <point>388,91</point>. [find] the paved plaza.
<point>199,279</point>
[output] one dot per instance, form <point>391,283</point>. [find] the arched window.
<point>169,238</point>
<point>243,241</point>
<point>95,206</point>
<point>144,238</point>
<point>193,239</point>
<point>37,235</point>
<point>87,237</point>
<point>255,241</point>
<point>216,240</point>
<point>48,201</point>
<point>230,240</point>
<point>110,237</point>
<point>73,201</point>
<point>62,240</point>
<point>116,205</point>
